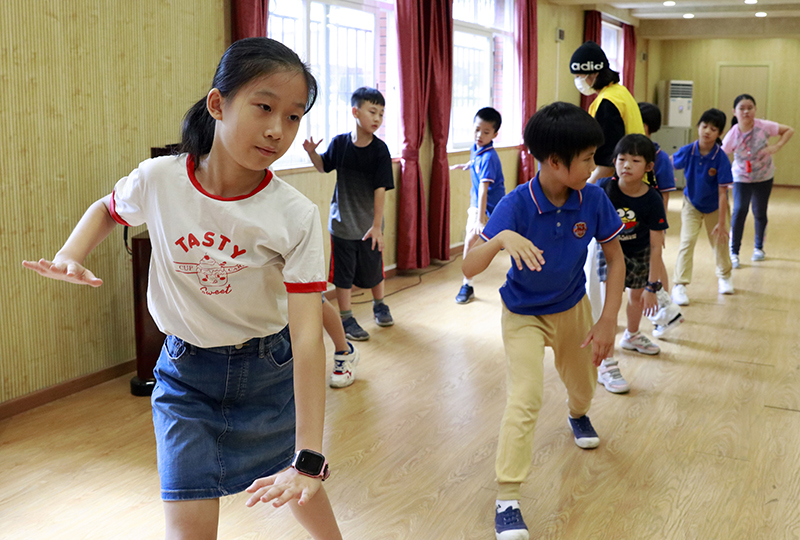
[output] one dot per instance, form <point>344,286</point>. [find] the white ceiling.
<point>702,9</point>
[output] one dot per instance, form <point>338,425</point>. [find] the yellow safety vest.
<point>625,104</point>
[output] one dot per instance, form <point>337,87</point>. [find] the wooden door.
<point>750,79</point>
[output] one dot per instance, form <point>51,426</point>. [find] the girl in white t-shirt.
<point>753,170</point>
<point>237,253</point>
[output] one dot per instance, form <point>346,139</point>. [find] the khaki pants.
<point>525,337</point>
<point>691,222</point>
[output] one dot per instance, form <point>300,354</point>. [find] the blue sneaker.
<point>465,295</point>
<point>353,331</point>
<point>585,435</point>
<point>383,317</point>
<point>508,525</point>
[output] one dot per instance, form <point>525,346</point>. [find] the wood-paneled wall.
<point>89,87</point>
<point>697,60</point>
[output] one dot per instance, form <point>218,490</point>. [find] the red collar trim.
<point>193,179</point>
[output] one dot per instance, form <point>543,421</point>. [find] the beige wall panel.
<point>90,87</point>
<point>555,82</point>
<point>698,61</point>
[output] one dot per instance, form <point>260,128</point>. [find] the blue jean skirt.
<point>223,416</point>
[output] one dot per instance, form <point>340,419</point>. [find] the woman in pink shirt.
<point>753,170</point>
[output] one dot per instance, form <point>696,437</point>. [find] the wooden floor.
<point>705,446</point>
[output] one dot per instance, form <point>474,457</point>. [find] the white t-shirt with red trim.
<point>221,268</point>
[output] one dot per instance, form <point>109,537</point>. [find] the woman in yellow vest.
<point>618,114</point>
<point>614,107</point>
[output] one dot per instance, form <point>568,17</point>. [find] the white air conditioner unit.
<point>678,103</point>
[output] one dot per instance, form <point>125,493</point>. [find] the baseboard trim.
<point>48,395</point>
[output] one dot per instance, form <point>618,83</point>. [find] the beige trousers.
<point>691,222</point>
<point>525,337</point>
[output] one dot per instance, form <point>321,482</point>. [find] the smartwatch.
<point>310,463</point>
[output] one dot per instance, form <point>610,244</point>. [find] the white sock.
<point>467,282</point>
<point>502,506</point>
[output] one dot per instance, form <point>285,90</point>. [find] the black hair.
<point>605,77</point>
<point>562,130</point>
<point>365,93</point>
<point>245,60</point>
<point>637,144</point>
<point>741,97</point>
<point>490,114</point>
<point>651,116</point>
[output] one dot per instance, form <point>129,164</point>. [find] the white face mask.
<point>584,87</point>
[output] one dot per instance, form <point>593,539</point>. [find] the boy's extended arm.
<point>67,265</point>
<point>311,149</point>
<point>602,333</point>
<point>375,232</point>
<point>305,327</point>
<point>518,247</point>
<point>483,198</point>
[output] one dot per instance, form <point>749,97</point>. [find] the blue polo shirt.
<point>704,175</point>
<point>662,169</point>
<point>486,168</point>
<point>562,233</point>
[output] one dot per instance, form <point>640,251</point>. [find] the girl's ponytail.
<point>197,131</point>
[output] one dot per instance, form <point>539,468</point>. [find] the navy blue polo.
<point>704,175</point>
<point>562,233</point>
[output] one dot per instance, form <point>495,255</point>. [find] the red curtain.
<point>629,50</point>
<point>425,31</point>
<point>249,18</point>
<point>441,89</point>
<point>528,58</point>
<point>592,31</point>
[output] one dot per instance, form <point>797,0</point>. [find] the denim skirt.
<point>223,416</point>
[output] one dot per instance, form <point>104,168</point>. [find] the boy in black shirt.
<point>363,175</point>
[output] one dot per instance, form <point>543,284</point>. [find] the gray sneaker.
<point>383,317</point>
<point>353,331</point>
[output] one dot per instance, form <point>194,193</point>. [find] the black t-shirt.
<point>359,172</point>
<point>639,215</point>
<point>610,120</point>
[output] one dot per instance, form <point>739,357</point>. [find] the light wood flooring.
<point>705,446</point>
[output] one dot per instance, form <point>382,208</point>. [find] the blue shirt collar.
<point>712,154</point>
<point>481,149</point>
<point>543,204</point>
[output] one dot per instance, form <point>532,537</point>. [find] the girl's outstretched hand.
<point>283,487</point>
<point>64,270</point>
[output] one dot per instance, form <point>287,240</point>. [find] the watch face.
<point>310,462</point>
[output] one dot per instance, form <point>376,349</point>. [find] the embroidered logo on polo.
<point>212,275</point>
<point>579,229</point>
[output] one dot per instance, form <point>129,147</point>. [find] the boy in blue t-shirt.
<point>545,226</point>
<point>363,175</point>
<point>705,200</point>
<point>488,185</point>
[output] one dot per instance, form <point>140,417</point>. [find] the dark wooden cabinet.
<point>149,338</point>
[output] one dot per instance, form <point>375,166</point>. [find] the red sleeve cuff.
<point>113,211</point>
<point>314,286</point>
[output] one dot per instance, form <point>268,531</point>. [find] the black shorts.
<point>354,262</point>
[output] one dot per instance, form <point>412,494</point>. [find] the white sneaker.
<point>608,375</point>
<point>725,286</point>
<point>735,261</point>
<point>344,368</point>
<point>638,342</point>
<point>758,255</point>
<point>679,295</point>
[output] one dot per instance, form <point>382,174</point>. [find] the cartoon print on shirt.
<point>629,223</point>
<point>212,275</point>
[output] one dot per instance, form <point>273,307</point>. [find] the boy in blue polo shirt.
<point>488,185</point>
<point>705,200</point>
<point>545,226</point>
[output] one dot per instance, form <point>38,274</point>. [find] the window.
<point>348,44</point>
<point>612,43</point>
<point>484,69</point>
